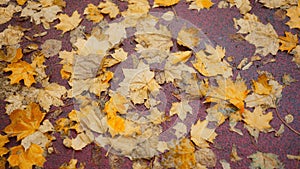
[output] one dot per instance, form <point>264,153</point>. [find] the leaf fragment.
<point>265,160</point>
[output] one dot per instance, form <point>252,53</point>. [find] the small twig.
<point>285,123</point>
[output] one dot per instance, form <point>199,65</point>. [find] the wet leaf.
<point>26,159</point>
<point>68,23</point>
<point>24,122</point>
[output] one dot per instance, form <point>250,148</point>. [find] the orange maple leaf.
<point>288,42</point>
<point>21,71</point>
<point>3,141</point>
<point>112,107</point>
<point>26,159</point>
<point>24,122</point>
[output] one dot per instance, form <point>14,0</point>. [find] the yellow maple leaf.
<point>211,63</point>
<point>243,5</point>
<point>51,95</point>
<point>71,165</point>
<point>139,84</point>
<point>21,71</point>
<point>182,56</point>
<point>227,90</point>
<point>109,8</point>
<point>181,156</point>
<point>294,14</point>
<point>21,2</point>
<point>93,13</point>
<point>261,86</point>
<point>181,109</point>
<point>200,134</point>
<point>24,122</point>
<point>116,104</point>
<point>26,159</point>
<point>200,4</point>
<point>258,120</point>
<point>289,42</point>
<point>165,2</point>
<point>136,7</point>
<point>68,23</point>
<point>119,56</point>
<point>3,141</point>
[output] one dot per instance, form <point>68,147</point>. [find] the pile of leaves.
<point>145,85</point>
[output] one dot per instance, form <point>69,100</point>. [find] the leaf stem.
<point>286,124</point>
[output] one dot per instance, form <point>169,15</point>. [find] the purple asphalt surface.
<point>217,24</point>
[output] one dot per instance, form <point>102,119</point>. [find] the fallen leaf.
<point>158,3</point>
<point>264,37</point>
<point>109,8</point>
<point>200,4</point>
<point>139,84</point>
<point>37,138</point>
<point>293,157</point>
<point>206,157</point>
<point>51,94</point>
<point>41,14</point>
<point>181,109</point>
<point>119,56</point>
<point>234,155</point>
<point>289,42</point>
<point>200,134</point>
<point>243,5</point>
<point>294,13</point>
<point>280,131</point>
<point>181,56</point>
<point>13,54</point>
<point>296,53</point>
<point>181,156</point>
<point>257,121</point>
<point>227,90</point>
<point>93,13</point>
<point>261,86</point>
<point>265,160</point>
<point>180,130</point>
<point>265,100</point>
<point>277,3</point>
<point>26,159</point>
<point>21,71</point>
<point>287,79</point>
<point>80,141</point>
<point>12,35</point>
<point>211,63</point>
<point>225,164</point>
<point>136,8</point>
<point>116,104</point>
<point>21,2</point>
<point>6,13</point>
<point>68,23</point>
<point>51,47</point>
<point>3,140</point>
<point>24,122</point>
<point>71,165</point>
<point>188,37</point>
